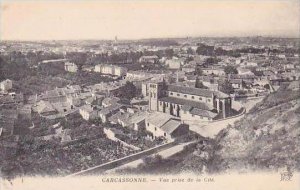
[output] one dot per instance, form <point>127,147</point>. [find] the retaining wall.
<point>113,164</point>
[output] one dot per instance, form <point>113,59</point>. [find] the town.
<point>67,106</point>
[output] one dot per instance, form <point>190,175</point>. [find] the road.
<point>212,129</point>
<point>164,154</point>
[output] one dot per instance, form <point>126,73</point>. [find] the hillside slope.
<point>267,138</point>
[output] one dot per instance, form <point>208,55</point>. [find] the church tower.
<point>156,91</point>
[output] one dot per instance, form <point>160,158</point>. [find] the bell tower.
<point>155,92</point>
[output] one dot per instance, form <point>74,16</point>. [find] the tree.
<point>128,91</point>
<point>211,61</point>
<point>226,87</point>
<point>267,86</point>
<point>230,70</point>
<point>198,71</point>
<point>190,51</point>
<point>198,83</point>
<point>1,69</point>
<point>169,52</point>
<point>205,50</point>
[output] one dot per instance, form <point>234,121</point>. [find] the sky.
<point>130,19</point>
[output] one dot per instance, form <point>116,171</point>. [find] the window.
<point>178,94</point>
<point>193,115</point>
<point>200,98</point>
<point>148,124</point>
<point>208,100</point>
<point>193,97</point>
<point>155,128</point>
<point>154,95</point>
<point>171,93</point>
<point>185,95</point>
<point>165,134</point>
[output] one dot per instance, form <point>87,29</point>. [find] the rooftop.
<point>158,119</point>
<point>171,126</point>
<point>205,113</point>
<point>196,91</point>
<point>191,103</point>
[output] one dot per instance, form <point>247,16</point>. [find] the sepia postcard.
<point>149,94</point>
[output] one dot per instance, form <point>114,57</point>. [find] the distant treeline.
<point>207,50</point>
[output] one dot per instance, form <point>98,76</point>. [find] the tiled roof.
<point>110,109</point>
<point>158,119</point>
<point>170,126</point>
<point>45,106</point>
<point>186,102</point>
<point>205,113</point>
<point>190,90</point>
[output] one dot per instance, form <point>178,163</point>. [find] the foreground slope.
<point>267,138</point>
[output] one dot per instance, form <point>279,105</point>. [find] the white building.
<point>6,85</point>
<point>174,63</point>
<point>149,59</point>
<point>88,113</point>
<point>110,70</point>
<point>71,67</point>
<point>214,71</point>
<point>164,125</point>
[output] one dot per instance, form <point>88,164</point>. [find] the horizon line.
<point>154,38</point>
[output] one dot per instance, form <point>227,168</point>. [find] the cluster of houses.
<point>171,99</point>
<point>104,69</point>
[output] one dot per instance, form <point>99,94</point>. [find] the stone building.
<point>189,103</point>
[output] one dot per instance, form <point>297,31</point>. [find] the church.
<point>188,103</point>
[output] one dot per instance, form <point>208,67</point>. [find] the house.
<point>12,98</point>
<point>237,83</point>
<point>248,64</point>
<point>60,94</point>
<point>25,110</point>
<point>110,70</point>
<point>189,69</point>
<point>111,133</point>
<point>164,125</point>
<point>118,117</point>
<point>174,63</point>
<point>110,101</point>
<point>6,85</point>
<point>109,111</point>
<point>135,121</point>
<point>244,71</point>
<point>45,108</point>
<point>87,68</point>
<point>71,67</point>
<point>140,104</point>
<point>88,112</point>
<point>213,71</point>
<point>149,59</point>
<point>295,85</point>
